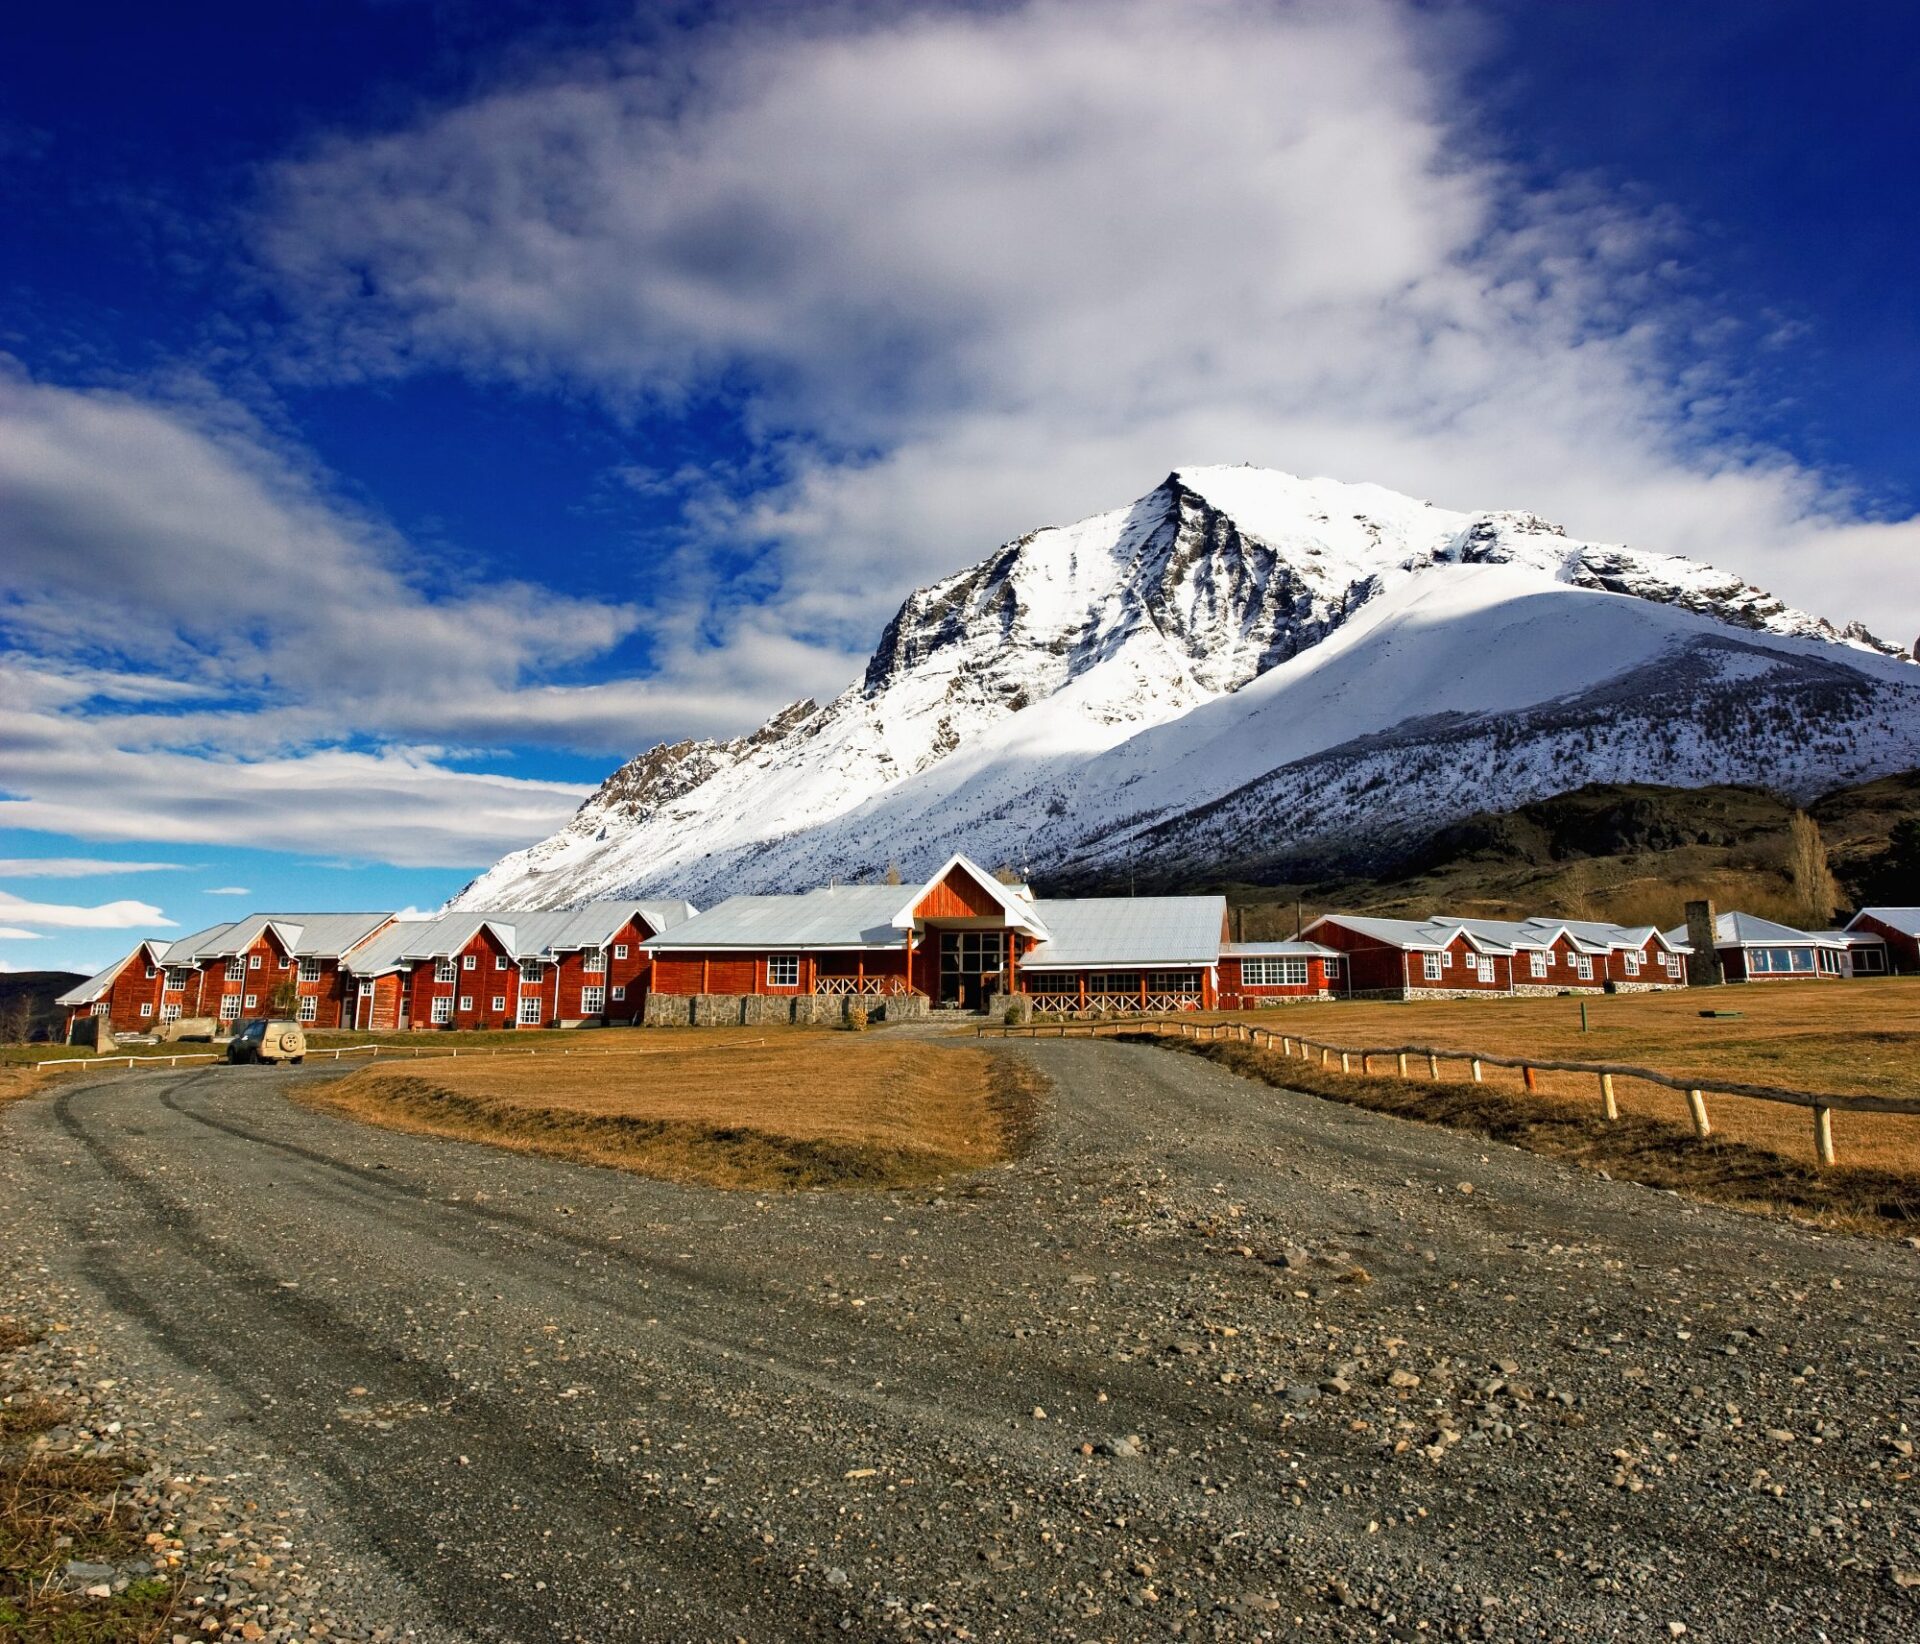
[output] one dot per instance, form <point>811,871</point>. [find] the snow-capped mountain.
<point>1238,666</point>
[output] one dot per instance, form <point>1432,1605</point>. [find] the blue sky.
<point>410,408</point>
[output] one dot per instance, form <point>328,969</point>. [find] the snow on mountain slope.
<point>1105,688</point>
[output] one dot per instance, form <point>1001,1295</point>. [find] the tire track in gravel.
<point>471,1422</point>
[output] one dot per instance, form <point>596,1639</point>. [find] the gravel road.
<point>1215,1361</point>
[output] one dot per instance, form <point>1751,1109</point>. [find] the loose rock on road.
<point>1215,1361</point>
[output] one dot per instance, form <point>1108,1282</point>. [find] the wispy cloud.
<point>979,269</point>
<point>227,890</point>
<point>12,933</point>
<point>63,916</point>
<point>76,867</point>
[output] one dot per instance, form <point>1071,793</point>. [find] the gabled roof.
<point>1750,930</point>
<point>566,930</point>
<point>1017,909</point>
<point>839,916</point>
<point>1263,950</point>
<point>1415,935</point>
<point>1128,932</point>
<point>1904,920</point>
<point>97,984</point>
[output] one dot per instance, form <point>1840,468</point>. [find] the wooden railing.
<point>1361,1059</point>
<point>880,987</point>
<point>1115,1004</point>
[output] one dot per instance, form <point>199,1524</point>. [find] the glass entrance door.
<point>970,961</point>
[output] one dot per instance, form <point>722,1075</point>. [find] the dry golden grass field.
<point>1848,1038</point>
<point>746,1109</point>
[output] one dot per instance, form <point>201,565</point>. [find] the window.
<point>619,994</point>
<point>1272,972</point>
<point>253,961</point>
<point>287,963</point>
<point>152,972</point>
<point>1446,959</point>
<point>1050,982</point>
<point>499,961</point>
<point>146,1010</point>
<point>619,950</point>
<point>592,1001</point>
<point>230,1008</point>
<point>309,1009</point>
<point>531,970</point>
<point>1632,963</point>
<point>1539,962</point>
<point>443,1009</point>
<point>443,970</point>
<point>1174,981</point>
<point>783,970</point>
<point>594,960</point>
<point>1430,966</point>
<point>178,980</point>
<point>1114,981</point>
<point>530,1011</point>
<point>236,969</point>
<point>469,961</point>
<point>466,1001</point>
<point>1672,962</point>
<point>1583,967</point>
<point>309,970</point>
<point>169,1013</point>
<point>253,1001</point>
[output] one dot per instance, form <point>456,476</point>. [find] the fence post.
<point>1527,1074</point>
<point>1366,1062</point>
<point>1697,1106</point>
<point>1609,1108</point>
<point>1433,1065</point>
<point>1345,1065</point>
<point>1476,1070</point>
<point>1823,1135</point>
<point>1403,1064</point>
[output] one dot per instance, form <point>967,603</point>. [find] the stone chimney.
<point>1703,964</point>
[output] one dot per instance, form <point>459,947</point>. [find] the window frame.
<point>789,972</point>
<point>445,971</point>
<point>593,1000</point>
<point>1430,967</point>
<point>440,1011</point>
<point>309,1010</point>
<point>528,1015</point>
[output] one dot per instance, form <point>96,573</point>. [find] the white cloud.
<point>123,915</point>
<point>12,933</point>
<point>75,867</point>
<point>400,804</point>
<point>227,890</point>
<point>979,270</point>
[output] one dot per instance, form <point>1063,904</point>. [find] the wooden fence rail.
<point>1361,1058</point>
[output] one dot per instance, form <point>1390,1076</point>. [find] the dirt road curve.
<point>552,1403</point>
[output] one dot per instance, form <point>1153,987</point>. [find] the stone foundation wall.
<point>777,1009</point>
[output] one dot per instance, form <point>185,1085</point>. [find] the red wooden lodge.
<point>1448,957</point>
<point>965,940</point>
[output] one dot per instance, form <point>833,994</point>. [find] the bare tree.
<point>893,873</point>
<point>16,1020</point>
<point>1813,882</point>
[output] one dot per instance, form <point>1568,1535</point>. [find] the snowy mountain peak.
<point>1048,695</point>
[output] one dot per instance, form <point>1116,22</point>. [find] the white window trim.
<point>1539,962</point>
<point>499,961</point>
<point>146,1010</point>
<point>466,1001</point>
<point>593,1001</point>
<point>1446,958</point>
<point>169,1013</point>
<point>1632,963</point>
<point>619,950</point>
<point>1430,967</point>
<point>788,962</point>
<point>469,961</point>
<point>253,961</point>
<point>237,968</point>
<point>309,1010</point>
<point>309,970</point>
<point>444,970</point>
<point>253,1001</point>
<point>442,1011</point>
<point>230,1008</point>
<point>1583,966</point>
<point>593,961</point>
<point>529,1015</point>
<point>619,994</point>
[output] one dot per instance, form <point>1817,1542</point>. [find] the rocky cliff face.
<point>1051,696</point>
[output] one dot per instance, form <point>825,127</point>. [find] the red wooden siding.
<point>958,896</point>
<point>1903,951</point>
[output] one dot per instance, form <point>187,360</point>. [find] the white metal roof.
<point>1748,930</point>
<point>838,916</point>
<point>94,985</point>
<point>1016,903</point>
<point>1262,950</point>
<point>1123,932</point>
<point>1504,936</point>
<point>1904,920</point>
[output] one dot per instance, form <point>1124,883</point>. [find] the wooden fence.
<point>1361,1059</point>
